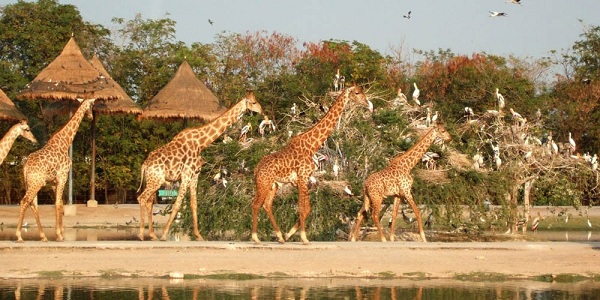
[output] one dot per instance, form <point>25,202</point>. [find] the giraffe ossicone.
<point>180,160</point>
<point>294,164</point>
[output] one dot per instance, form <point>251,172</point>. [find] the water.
<point>331,288</point>
<point>130,233</point>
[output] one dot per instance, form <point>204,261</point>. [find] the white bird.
<point>401,98</point>
<point>416,94</point>
<point>514,1</point>
<point>468,113</point>
<point>336,168</point>
<point>408,15</point>
<point>293,109</point>
<point>245,131</point>
<point>499,100</point>
<point>572,142</point>
<point>477,160</point>
<point>554,147</point>
<point>498,14</point>
<point>589,223</point>
<point>538,115</point>
<point>348,191</point>
<point>217,177</point>
<point>517,117</point>
<point>265,123</point>
<point>434,117</point>
<point>498,162</point>
<point>224,182</point>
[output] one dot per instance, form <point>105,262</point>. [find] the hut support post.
<point>92,201</point>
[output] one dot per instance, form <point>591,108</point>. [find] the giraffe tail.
<point>142,173</point>
<point>366,202</point>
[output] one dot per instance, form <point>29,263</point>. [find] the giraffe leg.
<point>397,202</point>
<point>26,202</point>
<point>264,198</point>
<point>194,205</point>
<point>149,209</point>
<point>143,199</point>
<point>361,214</point>
<point>185,181</point>
<point>303,208</point>
<point>375,216</point>
<point>58,206</point>
<point>415,208</point>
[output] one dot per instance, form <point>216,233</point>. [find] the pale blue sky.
<point>464,26</point>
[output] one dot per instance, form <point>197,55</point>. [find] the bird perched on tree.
<point>517,117</point>
<point>400,98</point>
<point>336,168</point>
<point>244,132</point>
<point>265,123</point>
<point>500,100</point>
<point>348,191</point>
<point>416,94</point>
<point>468,113</point>
<point>293,109</point>
<point>571,143</point>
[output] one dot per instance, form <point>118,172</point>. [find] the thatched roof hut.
<point>70,76</point>
<point>121,105</point>
<point>8,110</point>
<point>184,97</point>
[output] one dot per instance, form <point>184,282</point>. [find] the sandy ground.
<point>519,259</point>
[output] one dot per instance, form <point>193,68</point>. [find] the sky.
<point>532,29</point>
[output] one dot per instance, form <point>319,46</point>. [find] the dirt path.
<point>319,259</point>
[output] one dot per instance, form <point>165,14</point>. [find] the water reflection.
<point>330,288</point>
<point>86,234</point>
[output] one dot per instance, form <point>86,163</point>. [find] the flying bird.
<point>408,15</point>
<point>514,1</point>
<point>498,14</point>
<point>210,22</point>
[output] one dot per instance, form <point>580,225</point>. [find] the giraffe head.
<point>87,104</point>
<point>357,95</point>
<point>442,134</point>
<point>25,131</point>
<point>252,104</point>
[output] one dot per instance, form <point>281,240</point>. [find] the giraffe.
<point>51,164</point>
<point>395,180</point>
<point>294,164</point>
<point>19,129</point>
<point>180,160</point>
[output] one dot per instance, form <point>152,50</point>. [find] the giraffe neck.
<point>410,158</point>
<point>316,136</point>
<point>63,138</point>
<point>7,141</point>
<point>210,132</point>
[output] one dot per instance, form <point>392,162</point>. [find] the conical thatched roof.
<point>70,76</point>
<point>123,105</point>
<point>8,110</point>
<point>184,97</point>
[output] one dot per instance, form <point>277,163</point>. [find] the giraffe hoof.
<point>163,238</point>
<point>306,243</point>
<point>20,241</point>
<point>44,240</point>
<point>141,237</point>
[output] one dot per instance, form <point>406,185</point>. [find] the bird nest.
<point>458,160</point>
<point>433,176</point>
